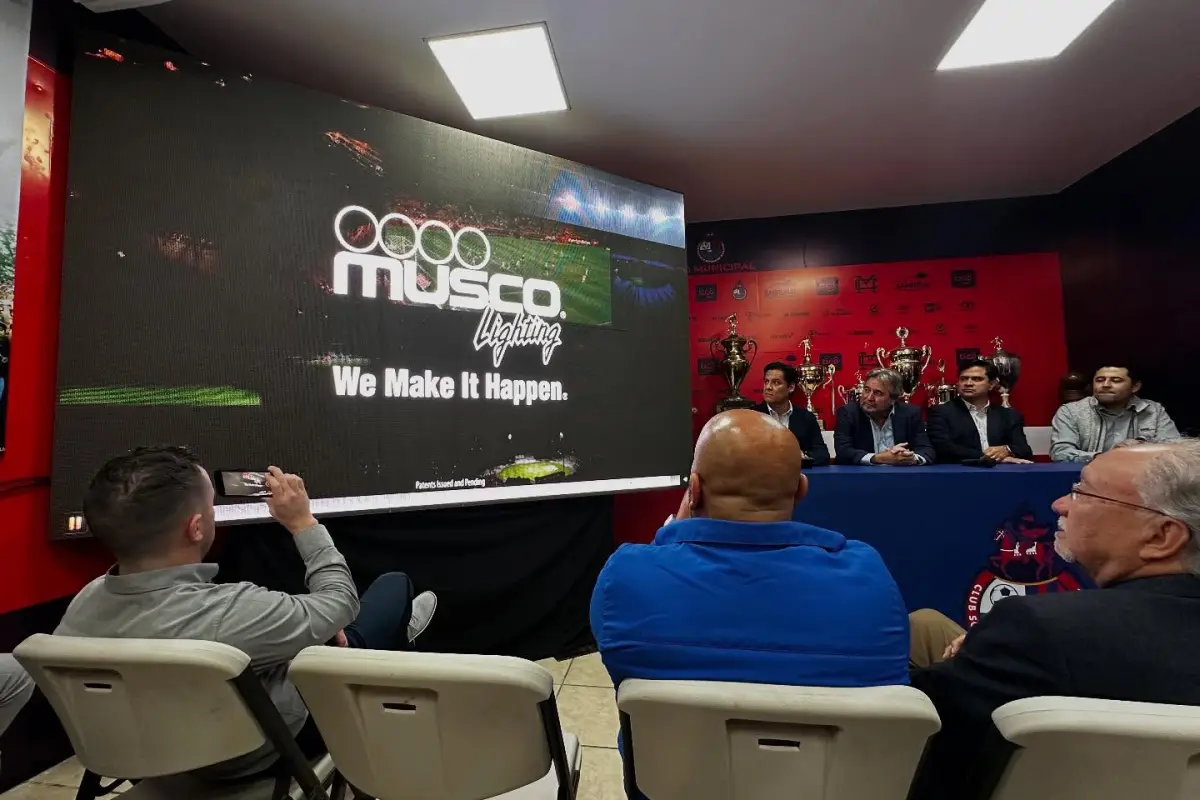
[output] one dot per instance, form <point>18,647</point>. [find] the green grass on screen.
<point>193,396</point>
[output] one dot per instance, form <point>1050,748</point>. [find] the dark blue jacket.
<point>853,439</point>
<point>780,602</point>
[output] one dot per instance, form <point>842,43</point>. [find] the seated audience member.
<point>153,508</point>
<point>734,590</point>
<point>970,426</point>
<point>1132,524</point>
<point>1113,414</point>
<point>878,431</point>
<point>779,384</point>
<point>16,687</point>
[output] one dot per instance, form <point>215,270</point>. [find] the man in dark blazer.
<point>879,431</point>
<point>1131,525</point>
<point>779,384</point>
<point>971,426</point>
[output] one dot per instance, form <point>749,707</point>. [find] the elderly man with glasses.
<point>1131,525</point>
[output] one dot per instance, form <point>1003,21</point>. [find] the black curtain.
<point>512,579</point>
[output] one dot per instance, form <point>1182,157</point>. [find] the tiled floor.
<point>585,703</point>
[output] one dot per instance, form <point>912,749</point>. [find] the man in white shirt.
<point>779,386</point>
<point>971,426</point>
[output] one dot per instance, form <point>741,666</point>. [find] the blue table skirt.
<point>956,538</point>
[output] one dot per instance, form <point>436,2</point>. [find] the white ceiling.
<point>758,107</point>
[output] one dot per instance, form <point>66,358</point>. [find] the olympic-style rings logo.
<point>466,287</point>
<point>380,241</point>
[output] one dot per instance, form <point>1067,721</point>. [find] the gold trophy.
<point>941,393</point>
<point>812,377</point>
<point>852,394</point>
<point>910,362</point>
<point>1008,365</point>
<point>734,364</point>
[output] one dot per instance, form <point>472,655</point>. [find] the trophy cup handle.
<point>880,355</point>
<point>712,349</point>
<point>751,351</point>
<point>841,394</point>
<point>926,351</point>
<point>830,371</point>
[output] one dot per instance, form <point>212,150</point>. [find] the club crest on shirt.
<point>1023,563</point>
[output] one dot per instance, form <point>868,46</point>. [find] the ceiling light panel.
<point>503,73</point>
<point>1008,31</point>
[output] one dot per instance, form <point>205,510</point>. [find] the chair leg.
<point>283,785</point>
<point>558,754</point>
<point>337,789</point>
<point>89,787</point>
<point>291,759</point>
<point>630,770</point>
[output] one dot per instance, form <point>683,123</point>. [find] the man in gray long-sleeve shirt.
<point>1114,414</point>
<point>154,509</point>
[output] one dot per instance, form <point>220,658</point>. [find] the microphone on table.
<point>979,462</point>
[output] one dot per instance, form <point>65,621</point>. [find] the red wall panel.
<point>33,569</point>
<point>956,306</point>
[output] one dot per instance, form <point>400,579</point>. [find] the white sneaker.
<point>423,606</point>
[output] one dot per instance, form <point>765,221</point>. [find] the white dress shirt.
<point>784,418</point>
<point>979,417</point>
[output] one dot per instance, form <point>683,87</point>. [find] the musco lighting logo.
<point>396,246</point>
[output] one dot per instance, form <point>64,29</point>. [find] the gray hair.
<point>1171,484</point>
<point>888,377</point>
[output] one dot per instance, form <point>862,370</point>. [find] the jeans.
<point>383,614</point>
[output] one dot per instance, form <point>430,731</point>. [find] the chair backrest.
<point>428,725</point>
<point>142,708</point>
<point>1083,749</point>
<point>735,741</point>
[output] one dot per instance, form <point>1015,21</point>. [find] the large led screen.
<point>405,314</point>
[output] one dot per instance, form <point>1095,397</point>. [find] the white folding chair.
<point>1075,748</point>
<point>149,710</point>
<point>438,726</point>
<point>692,740</point>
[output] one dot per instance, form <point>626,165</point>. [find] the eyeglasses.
<point>1076,492</point>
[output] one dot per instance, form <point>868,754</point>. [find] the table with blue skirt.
<point>957,539</point>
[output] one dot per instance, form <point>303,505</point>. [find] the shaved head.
<point>746,468</point>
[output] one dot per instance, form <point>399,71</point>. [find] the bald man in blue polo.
<point>732,589</point>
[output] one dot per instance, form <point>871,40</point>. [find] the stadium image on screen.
<point>406,315</point>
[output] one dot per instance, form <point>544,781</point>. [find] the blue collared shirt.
<point>884,434</point>
<point>885,437</point>
<point>782,602</point>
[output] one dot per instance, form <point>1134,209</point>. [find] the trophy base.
<point>732,403</point>
<point>1004,398</point>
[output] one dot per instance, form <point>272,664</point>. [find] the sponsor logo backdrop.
<point>956,306</point>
